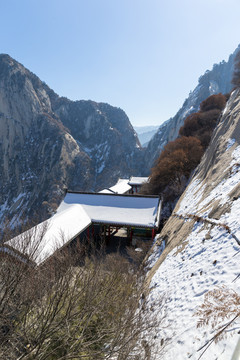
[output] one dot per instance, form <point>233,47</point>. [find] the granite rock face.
<point>218,80</point>
<point>48,143</point>
<point>198,248</point>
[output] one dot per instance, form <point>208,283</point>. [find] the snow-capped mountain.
<point>48,143</point>
<point>198,251</point>
<point>212,82</point>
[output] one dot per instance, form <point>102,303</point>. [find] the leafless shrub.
<point>137,255</point>
<point>219,304</point>
<point>63,311</point>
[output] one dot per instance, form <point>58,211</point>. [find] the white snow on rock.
<point>183,278</point>
<point>192,204</point>
<point>230,143</point>
<point>206,257</point>
<point>192,197</point>
<point>157,251</point>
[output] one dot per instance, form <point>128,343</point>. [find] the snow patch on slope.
<point>208,257</point>
<point>230,143</point>
<point>183,278</point>
<point>192,204</point>
<point>192,197</point>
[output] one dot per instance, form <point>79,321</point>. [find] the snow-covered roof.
<point>106,191</point>
<point>121,187</point>
<point>139,211</point>
<point>76,212</point>
<point>40,242</point>
<point>134,180</point>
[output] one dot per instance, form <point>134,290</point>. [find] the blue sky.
<point>144,56</point>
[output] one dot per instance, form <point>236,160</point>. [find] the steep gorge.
<point>48,143</point>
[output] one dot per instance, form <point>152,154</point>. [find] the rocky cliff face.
<point>105,134</point>
<point>48,143</point>
<point>212,82</point>
<point>198,250</point>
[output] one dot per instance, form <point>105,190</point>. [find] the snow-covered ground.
<point>207,258</point>
<point>183,278</point>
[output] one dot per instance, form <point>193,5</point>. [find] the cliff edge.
<point>198,251</point>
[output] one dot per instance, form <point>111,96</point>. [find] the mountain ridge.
<point>49,142</point>
<point>84,145</point>
<point>212,82</point>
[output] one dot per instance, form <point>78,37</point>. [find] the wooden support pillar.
<point>153,233</point>
<point>109,235</point>
<point>88,234</point>
<point>93,231</point>
<point>129,236</point>
<point>104,234</point>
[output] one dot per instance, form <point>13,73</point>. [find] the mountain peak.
<point>211,82</point>
<point>48,142</point>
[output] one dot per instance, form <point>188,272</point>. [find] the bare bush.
<point>180,157</point>
<point>177,160</point>
<point>217,101</point>
<point>138,254</point>
<point>219,304</point>
<point>63,311</point>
